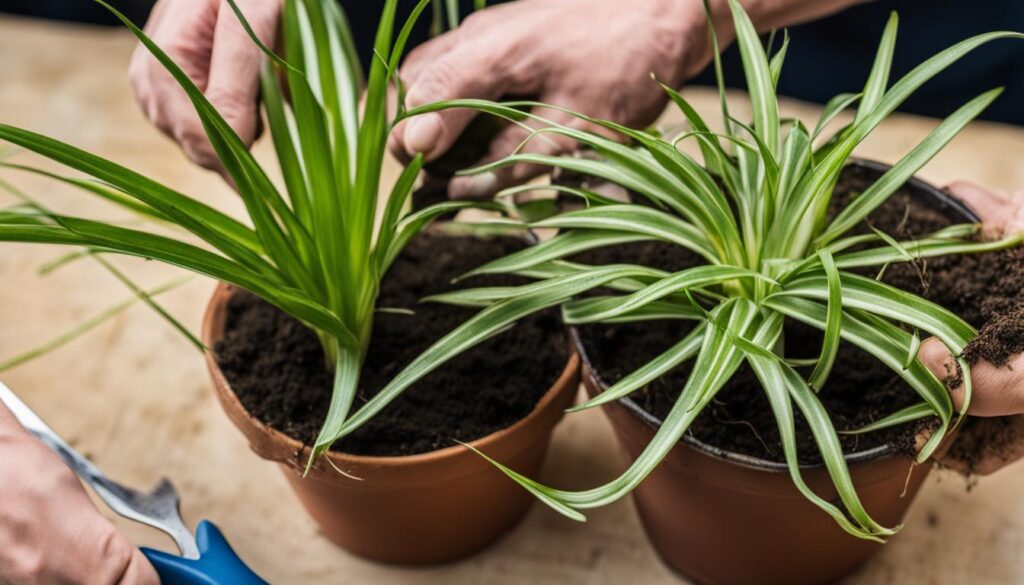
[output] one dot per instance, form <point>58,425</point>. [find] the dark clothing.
<point>834,55</point>
<point>825,58</point>
<point>79,10</point>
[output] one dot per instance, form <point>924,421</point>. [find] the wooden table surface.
<point>134,395</point>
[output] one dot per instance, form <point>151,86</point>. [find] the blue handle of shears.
<point>218,564</point>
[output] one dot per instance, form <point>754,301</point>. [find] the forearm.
<point>765,14</point>
<point>774,14</point>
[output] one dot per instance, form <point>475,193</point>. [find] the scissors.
<point>206,557</point>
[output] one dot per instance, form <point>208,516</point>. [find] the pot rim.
<point>920,187</point>
<point>301,452</point>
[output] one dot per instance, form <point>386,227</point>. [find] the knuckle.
<point>436,81</point>
<point>232,102</point>
<point>138,64</point>
<point>238,111</point>
<point>201,155</point>
<point>30,566</point>
<point>475,21</point>
<point>195,144</point>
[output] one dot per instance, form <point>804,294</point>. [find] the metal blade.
<point>158,509</point>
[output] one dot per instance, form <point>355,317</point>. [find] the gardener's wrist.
<point>765,14</point>
<point>681,33</point>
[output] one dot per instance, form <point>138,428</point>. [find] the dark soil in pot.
<point>275,365</point>
<point>979,288</point>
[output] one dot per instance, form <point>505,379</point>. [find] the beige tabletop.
<point>133,394</point>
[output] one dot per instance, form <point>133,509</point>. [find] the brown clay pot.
<point>429,508</point>
<point>723,518</point>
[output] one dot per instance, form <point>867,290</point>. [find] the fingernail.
<point>474,186</point>
<point>422,134</point>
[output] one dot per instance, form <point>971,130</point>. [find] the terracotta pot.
<point>722,518</point>
<point>429,508</point>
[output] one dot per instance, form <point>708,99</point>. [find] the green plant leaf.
<point>691,278</point>
<point>484,324</point>
<point>882,299</point>
<point>717,360</point>
<point>776,381</point>
<point>560,246</point>
<point>887,343</point>
<point>880,190</point>
<point>649,372</point>
<point>760,82</point>
<point>656,310</point>
<point>632,219</point>
<point>878,79</point>
<point>833,323</point>
<point>903,416</point>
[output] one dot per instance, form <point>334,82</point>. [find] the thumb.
<point>465,72</point>
<point>936,357</point>
<point>140,571</point>
<point>1001,212</point>
<point>996,391</point>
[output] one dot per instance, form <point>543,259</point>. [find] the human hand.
<point>1001,211</point>
<point>590,56</point>
<point>50,532</point>
<point>206,39</point>
<point>997,398</point>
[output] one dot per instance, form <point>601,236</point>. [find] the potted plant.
<point>761,244</point>
<point>330,282</point>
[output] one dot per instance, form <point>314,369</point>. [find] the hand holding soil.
<point>995,437</point>
<point>51,532</point>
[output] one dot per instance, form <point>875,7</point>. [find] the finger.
<point>513,139</point>
<point>185,33</point>
<point>233,87</point>
<point>518,139</point>
<point>995,391</point>
<point>987,204</point>
<point>420,57</point>
<point>1002,212</point>
<point>140,571</point>
<point>470,70</point>
<point>412,67</point>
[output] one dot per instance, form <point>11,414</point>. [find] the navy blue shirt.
<point>834,55</point>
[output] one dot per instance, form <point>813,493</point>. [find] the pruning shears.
<point>206,557</point>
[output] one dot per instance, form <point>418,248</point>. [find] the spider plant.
<point>754,210</point>
<point>318,248</point>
